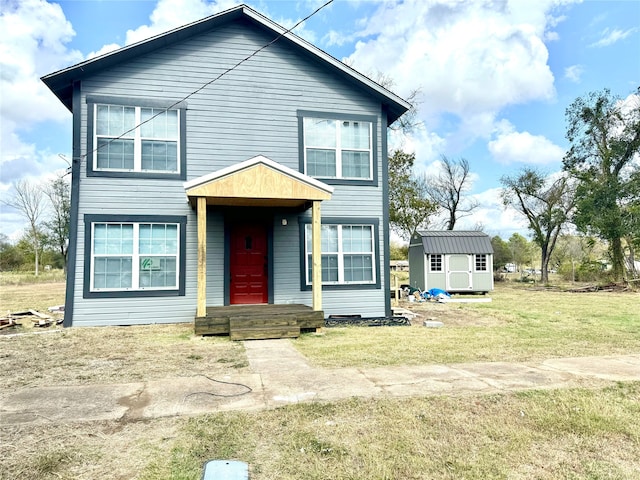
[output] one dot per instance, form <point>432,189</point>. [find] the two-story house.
<point>224,163</point>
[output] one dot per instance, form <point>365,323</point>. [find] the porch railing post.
<point>316,255</point>
<point>201,310</point>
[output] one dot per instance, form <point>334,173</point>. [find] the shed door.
<point>459,272</point>
<point>248,265</point>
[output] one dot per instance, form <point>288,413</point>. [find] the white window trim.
<point>341,254</point>
<point>137,141</point>
<point>135,258</point>
<point>338,148</point>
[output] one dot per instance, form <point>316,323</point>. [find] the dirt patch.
<point>452,315</point>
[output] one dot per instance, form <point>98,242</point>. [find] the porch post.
<point>201,310</point>
<point>316,256</point>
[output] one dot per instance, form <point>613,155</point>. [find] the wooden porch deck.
<point>255,322</point>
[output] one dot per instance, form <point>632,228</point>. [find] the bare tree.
<point>545,203</point>
<point>28,199</point>
<point>447,190</point>
<point>409,121</point>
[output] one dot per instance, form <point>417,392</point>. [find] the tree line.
<point>597,193</point>
<point>46,208</point>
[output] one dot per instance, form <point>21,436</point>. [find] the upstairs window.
<point>340,149</point>
<point>136,139</point>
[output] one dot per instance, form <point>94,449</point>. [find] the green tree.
<point>447,190</point>
<point>545,203</point>
<point>520,250</point>
<point>399,251</point>
<point>604,132</point>
<point>10,257</point>
<point>501,252</point>
<point>58,192</point>
<point>409,204</point>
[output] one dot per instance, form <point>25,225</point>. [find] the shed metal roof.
<point>61,82</point>
<point>455,241</point>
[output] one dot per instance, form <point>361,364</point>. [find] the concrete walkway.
<point>281,375</point>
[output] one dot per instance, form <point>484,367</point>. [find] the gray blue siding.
<point>247,112</point>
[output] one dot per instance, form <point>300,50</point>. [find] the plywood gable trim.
<point>258,177</point>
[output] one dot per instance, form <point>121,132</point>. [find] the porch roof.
<point>258,181</point>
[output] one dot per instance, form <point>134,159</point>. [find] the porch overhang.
<point>257,182</point>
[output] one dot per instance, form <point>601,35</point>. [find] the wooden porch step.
<point>246,322</point>
<point>211,325</point>
<point>250,327</point>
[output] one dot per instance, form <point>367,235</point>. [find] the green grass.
<point>520,324</point>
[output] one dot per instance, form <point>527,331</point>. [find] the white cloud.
<point>170,14</point>
<point>609,37</point>
<point>104,50</point>
<point>34,42</point>
<point>510,147</point>
<point>35,34</point>
<point>574,73</point>
<point>427,146</point>
<point>467,57</point>
<point>493,216</point>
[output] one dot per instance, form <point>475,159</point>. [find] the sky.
<point>494,77</point>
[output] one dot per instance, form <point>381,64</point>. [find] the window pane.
<point>115,120</point>
<point>358,268</point>
<point>329,238</point>
<point>321,163</point>
<point>159,123</point>
<point>355,164</point>
<point>319,132</point>
<point>158,239</point>
<point>356,238</point>
<point>158,155</point>
<point>115,154</point>
<point>329,268</point>
<point>112,272</point>
<point>355,135</point>
<point>158,271</point>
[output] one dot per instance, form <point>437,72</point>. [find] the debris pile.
<point>40,320</point>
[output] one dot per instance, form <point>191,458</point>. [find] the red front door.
<point>248,265</point>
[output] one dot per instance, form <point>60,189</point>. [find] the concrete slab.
<point>66,403</point>
<point>513,376</point>
<point>281,376</point>
<point>615,368</point>
<point>197,395</point>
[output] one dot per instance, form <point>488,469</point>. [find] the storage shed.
<point>455,261</point>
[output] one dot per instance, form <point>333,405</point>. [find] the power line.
<point>199,89</point>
